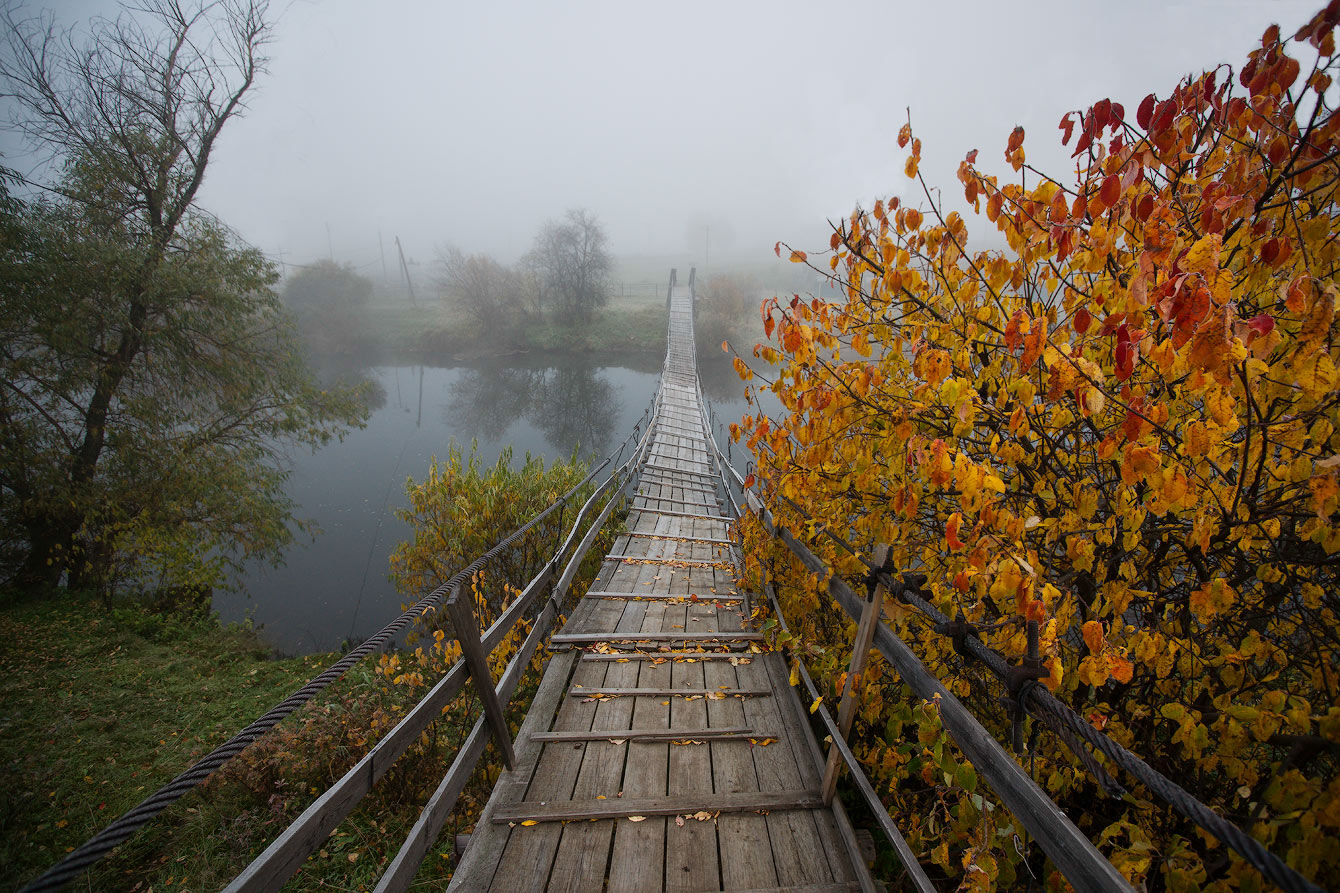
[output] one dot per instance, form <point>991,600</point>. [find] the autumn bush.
<point>1123,424</point>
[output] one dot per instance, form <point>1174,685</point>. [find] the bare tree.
<point>143,100</point>
<point>130,115</point>
<point>484,288</point>
<point>573,263</point>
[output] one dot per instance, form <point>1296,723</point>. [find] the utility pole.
<point>404,268</point>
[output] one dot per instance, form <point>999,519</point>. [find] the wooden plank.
<point>671,514</point>
<point>685,539</point>
<point>526,859</point>
<point>839,843</point>
<point>794,837</point>
<point>742,839</point>
<point>486,845</point>
<point>666,596</point>
<point>691,472</point>
<point>589,638</point>
<point>677,562</point>
<point>583,849</point>
<point>691,860</point>
<point>684,804</point>
<point>688,656</point>
<point>637,862</point>
<point>741,732</point>
<point>578,692</point>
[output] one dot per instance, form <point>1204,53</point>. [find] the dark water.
<point>334,587</point>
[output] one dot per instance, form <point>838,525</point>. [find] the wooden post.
<point>467,633</point>
<point>860,654</point>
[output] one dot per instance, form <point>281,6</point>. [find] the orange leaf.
<point>1093,636</point>
<point>951,531</point>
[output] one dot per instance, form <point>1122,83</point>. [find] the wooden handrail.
<point>273,867</point>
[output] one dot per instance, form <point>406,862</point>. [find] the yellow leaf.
<point>528,822</point>
<point>817,701</point>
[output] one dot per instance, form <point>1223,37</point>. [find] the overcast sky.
<point>754,121</point>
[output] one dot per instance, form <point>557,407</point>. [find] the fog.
<point>691,129</point>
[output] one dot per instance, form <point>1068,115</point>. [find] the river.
<point>333,586</point>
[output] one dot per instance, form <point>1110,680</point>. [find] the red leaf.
<point>1118,115</point>
<point>1145,113</point>
<point>1068,126</point>
<point>1082,320</point>
<point>1102,111</point>
<point>1164,115</point>
<point>971,157</point>
<point>1084,140</point>
<point>1270,252</point>
<point>834,241</point>
<point>1258,326</point>
<point>1016,140</point>
<point>777,249</point>
<point>1111,190</point>
<point>1126,353</point>
<point>1209,85</point>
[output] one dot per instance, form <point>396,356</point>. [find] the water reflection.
<point>334,587</point>
<point>571,404</point>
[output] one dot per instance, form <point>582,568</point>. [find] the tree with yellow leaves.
<point>1123,425</point>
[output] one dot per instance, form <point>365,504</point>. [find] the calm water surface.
<point>334,587</point>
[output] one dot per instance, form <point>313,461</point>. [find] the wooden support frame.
<point>860,654</point>
<point>467,634</point>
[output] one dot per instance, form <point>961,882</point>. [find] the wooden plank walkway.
<point>664,749</point>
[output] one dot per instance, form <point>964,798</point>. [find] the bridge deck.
<point>663,750</point>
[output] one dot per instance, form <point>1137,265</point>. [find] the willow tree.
<point>149,380</point>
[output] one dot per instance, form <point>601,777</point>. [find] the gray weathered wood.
<point>467,634</point>
<point>1068,847</point>
<point>612,638</point>
<point>685,804</point>
<point>740,732</point>
<point>304,836</point>
<point>871,611</point>
<point>670,692</point>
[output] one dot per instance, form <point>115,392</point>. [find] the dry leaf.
<point>637,818</point>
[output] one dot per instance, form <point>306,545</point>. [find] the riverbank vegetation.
<point>1124,427</point>
<point>151,382</point>
<point>104,706</point>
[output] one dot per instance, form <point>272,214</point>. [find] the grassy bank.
<point>626,324</point>
<point>102,707</point>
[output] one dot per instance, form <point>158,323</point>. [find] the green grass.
<point>101,707</point>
